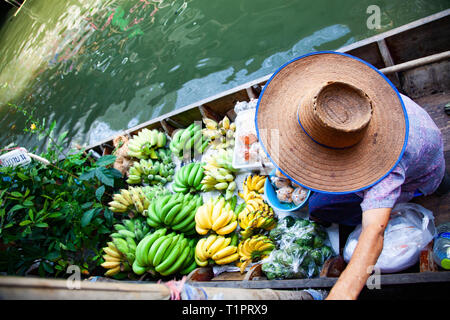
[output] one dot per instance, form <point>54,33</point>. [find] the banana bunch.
<point>216,215</point>
<point>256,215</point>
<point>165,254</point>
<point>219,173</point>
<point>152,192</point>
<point>254,183</point>
<point>221,134</point>
<point>188,141</point>
<point>144,144</point>
<point>219,249</point>
<point>189,178</point>
<point>175,211</point>
<point>115,261</point>
<point>151,172</point>
<point>131,228</point>
<point>133,200</point>
<point>256,247</point>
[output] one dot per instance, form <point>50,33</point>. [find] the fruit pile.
<point>188,142</point>
<point>216,215</point>
<point>144,144</point>
<point>219,173</point>
<point>253,186</point>
<point>135,200</point>
<point>165,254</point>
<point>254,248</point>
<point>256,216</point>
<point>174,211</point>
<point>151,172</point>
<point>221,134</point>
<point>189,178</point>
<point>216,249</point>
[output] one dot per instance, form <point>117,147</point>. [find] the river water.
<point>99,67</point>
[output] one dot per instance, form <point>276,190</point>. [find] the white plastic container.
<point>245,125</point>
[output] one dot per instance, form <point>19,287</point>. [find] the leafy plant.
<point>53,216</point>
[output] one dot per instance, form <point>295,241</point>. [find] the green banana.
<point>161,250</point>
<point>165,271</point>
<point>172,213</point>
<point>174,254</point>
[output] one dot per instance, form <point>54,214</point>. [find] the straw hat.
<point>332,122</point>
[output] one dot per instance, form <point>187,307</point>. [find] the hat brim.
<point>317,167</point>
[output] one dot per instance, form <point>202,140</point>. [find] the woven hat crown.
<point>336,114</point>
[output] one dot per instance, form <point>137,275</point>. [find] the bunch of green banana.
<point>176,211</point>
<point>165,254</point>
<point>151,172</point>
<point>256,215</point>
<point>135,228</point>
<point>216,249</point>
<point>152,192</point>
<point>219,173</point>
<point>144,144</point>
<point>216,215</point>
<point>188,142</point>
<point>256,247</point>
<point>115,261</point>
<point>189,178</point>
<point>222,134</point>
<point>132,200</point>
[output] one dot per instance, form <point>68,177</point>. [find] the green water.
<point>99,67</point>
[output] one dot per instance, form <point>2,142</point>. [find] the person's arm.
<point>367,251</point>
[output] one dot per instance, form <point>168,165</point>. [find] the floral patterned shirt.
<point>421,168</point>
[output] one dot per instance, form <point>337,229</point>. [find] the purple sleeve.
<point>385,193</point>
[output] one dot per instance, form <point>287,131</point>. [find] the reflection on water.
<point>99,67</point>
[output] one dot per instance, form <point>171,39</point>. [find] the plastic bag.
<point>410,229</point>
<point>302,248</point>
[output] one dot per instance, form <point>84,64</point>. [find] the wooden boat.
<point>416,58</point>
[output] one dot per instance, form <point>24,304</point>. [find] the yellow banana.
<point>217,209</point>
<point>209,241</point>
<point>200,230</point>
<point>109,258</point>
<point>112,253</point>
<point>227,259</point>
<point>224,252</point>
<point>199,249</point>
<point>112,271</point>
<point>217,244</point>
<point>110,264</point>
<point>227,229</point>
<point>224,217</point>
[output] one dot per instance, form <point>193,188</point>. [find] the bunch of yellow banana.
<point>220,249</point>
<point>219,173</point>
<point>256,215</point>
<point>133,199</point>
<point>216,215</point>
<point>254,248</point>
<point>221,134</point>
<point>254,183</point>
<point>115,261</point>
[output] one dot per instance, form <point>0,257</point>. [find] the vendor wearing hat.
<point>336,125</point>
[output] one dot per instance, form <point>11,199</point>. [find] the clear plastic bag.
<point>410,229</point>
<point>302,248</point>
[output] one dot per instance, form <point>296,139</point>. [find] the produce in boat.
<point>115,261</point>
<point>215,215</point>
<point>219,173</point>
<point>188,142</point>
<point>174,211</point>
<point>189,178</point>
<point>152,172</point>
<point>256,216</point>
<point>216,249</point>
<point>221,134</point>
<point>165,254</point>
<point>144,144</point>
<point>254,248</point>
